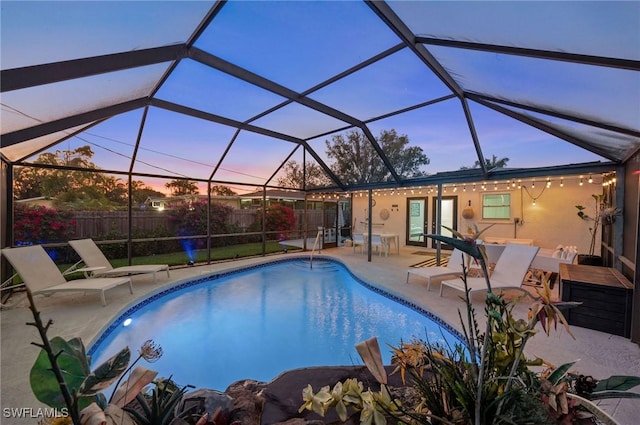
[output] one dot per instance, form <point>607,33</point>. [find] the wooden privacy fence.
<point>96,224</point>
<point>91,224</point>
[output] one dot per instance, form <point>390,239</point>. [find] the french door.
<point>417,224</point>
<point>449,218</point>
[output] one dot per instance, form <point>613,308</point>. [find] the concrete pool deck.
<point>77,315</point>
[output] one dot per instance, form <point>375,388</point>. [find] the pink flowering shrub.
<point>39,224</point>
<point>278,218</point>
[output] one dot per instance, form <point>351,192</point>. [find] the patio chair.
<point>41,275</point>
<point>453,268</point>
<point>358,241</point>
<point>98,265</point>
<point>510,270</point>
<point>379,244</point>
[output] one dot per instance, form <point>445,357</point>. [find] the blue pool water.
<point>257,323</point>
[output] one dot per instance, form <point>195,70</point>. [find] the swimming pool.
<point>261,321</point>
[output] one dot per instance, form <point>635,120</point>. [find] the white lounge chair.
<point>41,275</point>
<point>453,268</point>
<point>510,270</point>
<point>98,265</point>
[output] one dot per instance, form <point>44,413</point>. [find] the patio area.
<point>597,354</point>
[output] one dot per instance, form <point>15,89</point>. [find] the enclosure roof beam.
<point>598,124</point>
<point>632,65</point>
<point>549,129</point>
<point>388,16</point>
<point>244,126</point>
<point>40,130</point>
<point>259,81</point>
<point>36,75</point>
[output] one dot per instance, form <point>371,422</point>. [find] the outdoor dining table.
<point>387,238</point>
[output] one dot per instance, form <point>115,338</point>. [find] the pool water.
<point>257,323</point>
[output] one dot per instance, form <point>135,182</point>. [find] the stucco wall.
<point>551,221</point>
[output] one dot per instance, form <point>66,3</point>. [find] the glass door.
<point>449,218</point>
<point>330,239</point>
<point>417,224</point>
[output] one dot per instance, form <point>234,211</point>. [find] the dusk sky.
<point>298,45</point>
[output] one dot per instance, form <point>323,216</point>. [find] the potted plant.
<point>595,221</point>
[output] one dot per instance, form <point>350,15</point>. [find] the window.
<point>496,206</point>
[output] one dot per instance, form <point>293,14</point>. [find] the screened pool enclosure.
<point>301,104</point>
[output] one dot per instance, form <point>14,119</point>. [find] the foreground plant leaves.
<point>72,365</point>
<point>369,351</point>
<point>105,374</point>
<point>129,389</point>
<point>315,402</point>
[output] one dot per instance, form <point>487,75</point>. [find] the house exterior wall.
<point>631,238</point>
<point>551,221</point>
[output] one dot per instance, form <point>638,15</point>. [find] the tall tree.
<point>356,161</point>
<point>180,187</point>
<point>69,186</point>
<point>491,164</point>
<point>294,173</point>
<point>140,192</point>
<point>220,190</point>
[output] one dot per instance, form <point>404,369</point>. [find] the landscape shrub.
<point>190,219</point>
<point>278,218</point>
<point>35,225</point>
<point>39,224</point>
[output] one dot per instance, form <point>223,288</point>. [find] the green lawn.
<point>180,258</point>
<point>217,254</point>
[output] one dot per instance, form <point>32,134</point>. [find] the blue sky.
<point>301,44</point>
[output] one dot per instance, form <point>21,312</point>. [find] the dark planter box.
<point>589,260</point>
<point>606,297</point>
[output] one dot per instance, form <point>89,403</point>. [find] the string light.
<point>548,182</point>
<point>561,182</point>
<point>581,183</point>
<point>590,179</point>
